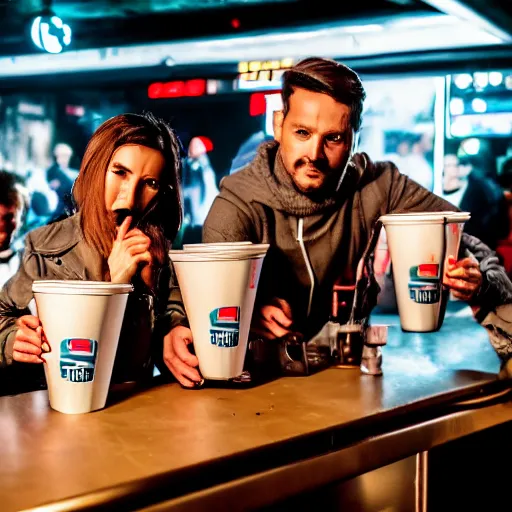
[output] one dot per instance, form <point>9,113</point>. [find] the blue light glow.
<point>50,34</point>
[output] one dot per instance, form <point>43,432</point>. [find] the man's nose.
<point>316,149</point>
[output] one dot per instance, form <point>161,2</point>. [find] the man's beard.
<point>329,181</point>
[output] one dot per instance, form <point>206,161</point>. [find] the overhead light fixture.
<point>495,78</point>
<point>463,81</point>
<point>332,41</point>
<point>49,32</point>
<point>479,105</point>
<point>464,12</point>
<point>456,106</point>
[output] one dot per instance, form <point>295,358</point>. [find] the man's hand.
<point>129,251</point>
<point>30,341</point>
<point>463,277</point>
<point>178,358</point>
<point>273,320</point>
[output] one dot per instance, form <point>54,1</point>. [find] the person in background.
<point>417,165</point>
<point>199,182</point>
<point>199,185</point>
<point>504,248</point>
<point>13,206</point>
<point>248,150</point>
<point>61,177</point>
<point>316,202</point>
<point>128,209</point>
<point>467,185</point>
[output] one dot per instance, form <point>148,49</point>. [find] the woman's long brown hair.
<point>164,220</point>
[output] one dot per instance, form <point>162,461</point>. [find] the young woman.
<point>128,209</point>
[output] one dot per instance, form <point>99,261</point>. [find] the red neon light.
<point>257,104</point>
<point>155,90</point>
<point>177,89</point>
<point>195,87</point>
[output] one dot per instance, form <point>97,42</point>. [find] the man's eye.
<point>337,138</point>
<point>302,133</point>
<point>153,184</point>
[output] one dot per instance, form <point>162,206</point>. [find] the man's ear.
<point>278,120</point>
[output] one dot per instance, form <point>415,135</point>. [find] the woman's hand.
<point>130,252</point>
<point>30,341</point>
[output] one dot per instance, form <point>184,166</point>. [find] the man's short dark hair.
<point>329,77</point>
<point>9,190</point>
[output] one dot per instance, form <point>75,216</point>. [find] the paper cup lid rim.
<point>428,217</point>
<point>230,247</point>
<point>219,244</point>
<point>444,213</point>
<point>186,256</point>
<point>80,287</point>
<point>440,212</point>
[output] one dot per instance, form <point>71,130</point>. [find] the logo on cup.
<point>77,359</point>
<point>225,326</point>
<point>425,283</point>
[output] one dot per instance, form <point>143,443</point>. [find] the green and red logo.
<point>425,283</point>
<point>78,359</point>
<point>225,326</point>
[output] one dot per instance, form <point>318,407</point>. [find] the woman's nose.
<point>128,196</point>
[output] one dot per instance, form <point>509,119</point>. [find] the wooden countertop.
<point>167,434</point>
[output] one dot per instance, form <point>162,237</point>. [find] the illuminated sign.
<point>262,73</point>
<point>177,89</point>
<point>50,34</point>
<point>75,110</point>
<point>30,108</point>
<point>265,65</point>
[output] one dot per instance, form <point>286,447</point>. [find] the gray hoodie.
<point>318,242</point>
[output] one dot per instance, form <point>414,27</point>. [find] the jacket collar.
<point>59,237</point>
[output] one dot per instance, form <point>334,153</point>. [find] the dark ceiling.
<point>104,23</point>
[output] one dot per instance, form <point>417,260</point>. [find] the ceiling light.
<point>50,33</point>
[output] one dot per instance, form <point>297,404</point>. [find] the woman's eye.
<point>119,172</point>
<point>153,184</point>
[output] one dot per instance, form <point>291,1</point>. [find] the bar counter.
<point>166,448</point>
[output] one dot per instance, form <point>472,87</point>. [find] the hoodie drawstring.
<point>300,239</point>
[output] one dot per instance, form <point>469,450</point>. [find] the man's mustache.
<point>319,165</point>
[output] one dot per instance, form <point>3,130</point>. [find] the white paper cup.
<point>82,322</point>
<point>454,227</point>
<point>419,246</point>
<point>216,245</point>
<point>219,290</point>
